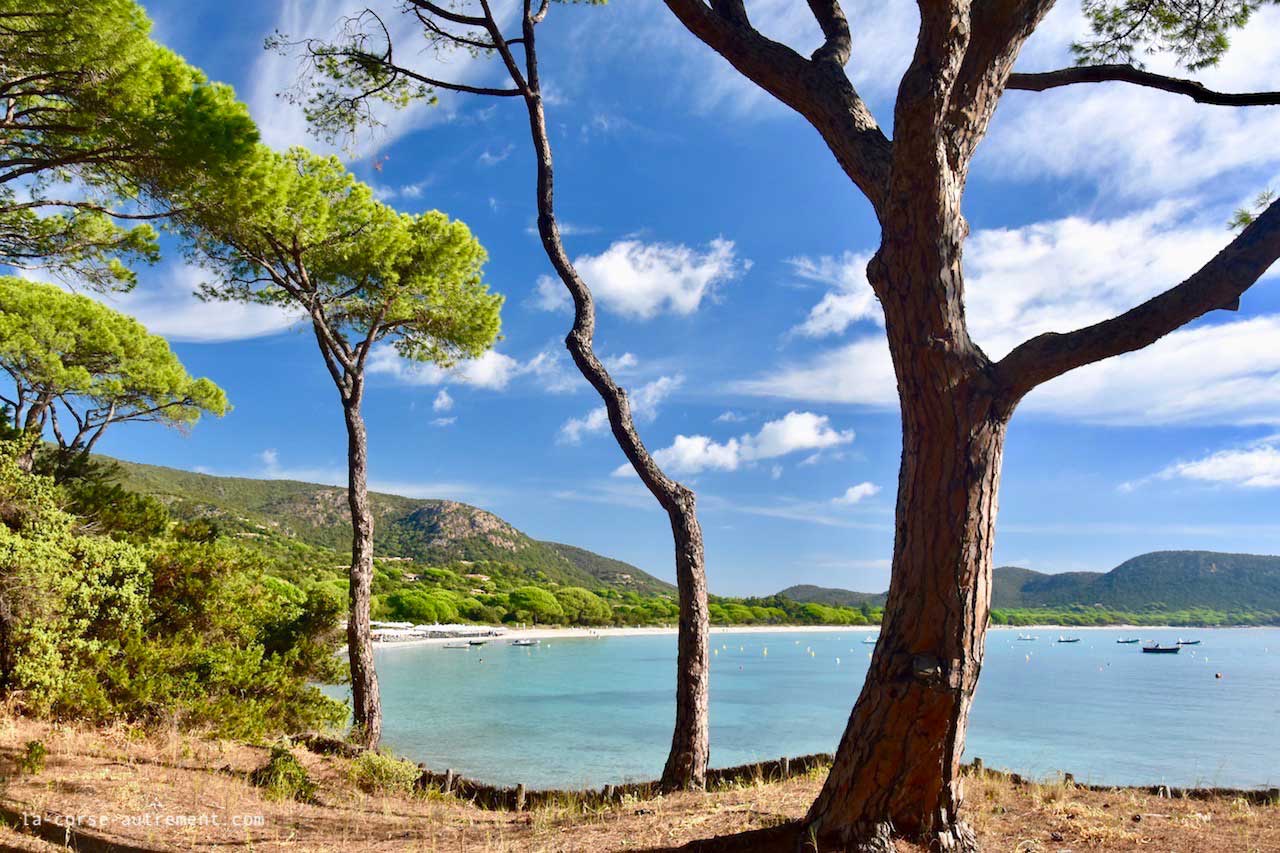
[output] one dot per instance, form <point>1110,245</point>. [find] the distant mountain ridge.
<point>431,531</point>
<point>1167,580</point>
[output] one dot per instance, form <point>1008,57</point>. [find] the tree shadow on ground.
<point>784,838</point>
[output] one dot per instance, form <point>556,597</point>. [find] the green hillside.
<point>832,597</point>
<point>1160,582</point>
<point>285,514</point>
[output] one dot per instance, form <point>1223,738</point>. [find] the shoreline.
<point>646,631</point>
<point>545,634</point>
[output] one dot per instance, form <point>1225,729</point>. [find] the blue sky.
<point>727,251</point>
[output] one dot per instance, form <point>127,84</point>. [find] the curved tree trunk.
<point>367,705</point>
<point>686,766</point>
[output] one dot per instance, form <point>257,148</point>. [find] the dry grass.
<point>119,773</point>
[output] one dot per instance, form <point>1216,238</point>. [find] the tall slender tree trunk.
<point>686,766</point>
<point>896,772</point>
<point>367,705</point>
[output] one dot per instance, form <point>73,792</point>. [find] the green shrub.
<point>32,759</point>
<point>283,777</point>
<point>379,773</point>
<point>199,633</point>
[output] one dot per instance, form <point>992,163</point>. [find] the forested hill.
<point>428,531</point>
<point>832,596</point>
<point>1169,580</point>
<point>1161,580</point>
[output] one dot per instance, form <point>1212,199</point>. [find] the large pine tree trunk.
<point>896,772</point>
<point>367,706</point>
<point>686,765</point>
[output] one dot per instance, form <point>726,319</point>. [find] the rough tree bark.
<point>686,765</point>
<point>367,705</point>
<point>896,772</point>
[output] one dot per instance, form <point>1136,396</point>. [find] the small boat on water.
<point>1027,638</point>
<point>476,642</point>
<point>1158,649</point>
<point>457,646</point>
<point>1188,642</point>
<point>1128,641</point>
<point>1068,639</point>
<point>870,641</point>
<point>524,642</point>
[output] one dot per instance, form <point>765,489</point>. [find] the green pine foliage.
<point>100,118</point>
<point>151,629</point>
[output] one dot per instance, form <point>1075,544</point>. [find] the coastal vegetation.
<point>446,561</point>
<point>104,623</point>
<point>146,599</point>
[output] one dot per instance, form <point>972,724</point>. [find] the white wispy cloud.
<point>414,190</point>
<point>165,302</point>
<point>443,401</point>
<point>1253,466</point>
<point>267,466</point>
<point>493,371</point>
<point>1061,275</point>
<point>641,280</point>
<point>1130,140</point>
<point>849,300</point>
<point>493,158</point>
<point>282,123</point>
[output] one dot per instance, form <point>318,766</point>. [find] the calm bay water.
<point>574,713</point>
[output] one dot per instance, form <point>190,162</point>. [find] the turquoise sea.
<point>586,712</point>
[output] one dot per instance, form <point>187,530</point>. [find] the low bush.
<point>283,777</point>
<point>379,773</point>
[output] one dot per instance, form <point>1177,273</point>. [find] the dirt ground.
<point>131,792</point>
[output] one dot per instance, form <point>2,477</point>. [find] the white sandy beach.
<point>546,634</point>
<point>550,634</point>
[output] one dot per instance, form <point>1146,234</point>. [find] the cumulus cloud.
<point>572,430</point>
<point>855,494</point>
<point>621,363</point>
<point>642,280</point>
<point>795,431</point>
<point>443,402</point>
<point>644,407</point>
